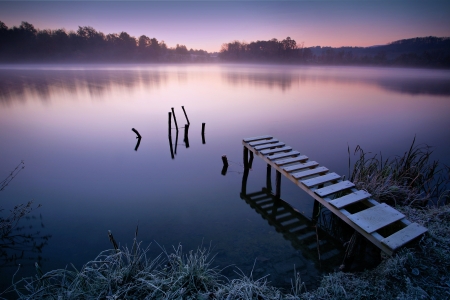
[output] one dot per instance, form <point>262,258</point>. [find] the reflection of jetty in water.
<point>311,237</point>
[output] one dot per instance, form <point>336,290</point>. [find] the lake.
<point>71,125</point>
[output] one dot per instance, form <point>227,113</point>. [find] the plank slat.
<point>276,150</point>
<point>281,155</point>
<point>321,179</point>
<point>307,173</point>
<point>376,217</point>
<point>256,138</point>
<point>256,143</point>
<point>334,188</point>
<point>350,198</point>
<point>266,146</point>
<point>297,167</point>
<point>404,236</point>
<point>290,160</point>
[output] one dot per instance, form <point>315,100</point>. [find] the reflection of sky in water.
<point>73,129</point>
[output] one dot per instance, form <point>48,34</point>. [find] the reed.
<point>411,179</point>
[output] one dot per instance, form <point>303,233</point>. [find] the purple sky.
<point>208,24</point>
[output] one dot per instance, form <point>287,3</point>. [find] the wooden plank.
<point>290,160</point>
<point>267,146</point>
<point>404,236</point>
<point>350,198</point>
<point>321,179</point>
<point>311,172</point>
<point>297,167</point>
<point>334,188</point>
<point>376,217</point>
<point>276,150</point>
<point>256,138</point>
<point>284,154</point>
<point>256,143</point>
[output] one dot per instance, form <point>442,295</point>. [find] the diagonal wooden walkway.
<point>384,226</point>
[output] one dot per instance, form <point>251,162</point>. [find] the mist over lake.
<point>71,124</point>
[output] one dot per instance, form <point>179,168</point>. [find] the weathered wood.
<point>245,158</point>
<point>278,185</point>
<point>376,217</point>
<point>321,179</point>
<point>174,118</point>
<point>186,115</point>
<point>267,146</point>
<point>257,138</point>
<point>284,154</point>
<point>404,236</point>
<point>291,160</point>
<point>297,167</point>
<point>256,143</point>
<point>349,199</point>
<point>278,160</point>
<point>276,150</point>
<point>334,188</point>
<point>311,172</point>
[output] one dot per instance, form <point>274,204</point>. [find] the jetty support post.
<point>174,118</point>
<point>269,178</point>
<point>278,185</point>
<point>185,115</point>
<point>245,157</point>
<point>250,162</point>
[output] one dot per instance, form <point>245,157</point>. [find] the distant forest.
<point>28,44</point>
<point>417,52</point>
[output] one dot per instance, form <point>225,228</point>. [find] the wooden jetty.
<point>381,224</point>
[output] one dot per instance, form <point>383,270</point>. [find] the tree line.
<point>26,43</point>
<point>416,52</point>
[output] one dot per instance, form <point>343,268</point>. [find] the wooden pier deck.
<point>381,224</point>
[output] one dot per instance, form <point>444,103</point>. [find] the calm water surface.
<point>72,127</point>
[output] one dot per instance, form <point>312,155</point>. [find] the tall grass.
<point>411,179</point>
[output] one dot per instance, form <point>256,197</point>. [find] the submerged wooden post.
<point>244,183</point>
<point>278,184</point>
<point>203,133</point>
<point>186,135</point>
<point>174,118</point>
<point>185,115</point>
<point>137,133</point>
<point>269,178</point>
<point>225,160</point>
<point>245,157</point>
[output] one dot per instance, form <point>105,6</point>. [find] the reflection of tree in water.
<point>16,84</point>
<point>284,81</point>
<point>24,243</point>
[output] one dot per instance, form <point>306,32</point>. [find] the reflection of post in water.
<point>186,135</point>
<point>176,142</point>
<point>138,138</point>
<point>171,147</point>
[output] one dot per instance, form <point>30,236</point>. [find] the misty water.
<point>71,125</point>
